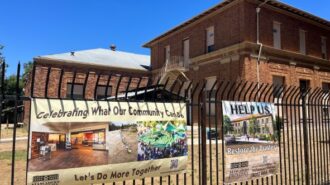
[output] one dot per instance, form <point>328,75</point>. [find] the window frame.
<point>327,84</point>
<point>167,53</point>
<point>324,47</point>
<point>302,41</point>
<point>279,35</point>
<point>308,84</point>
<point>101,95</point>
<point>210,108</point>
<point>283,84</point>
<point>209,47</point>
<point>185,60</point>
<point>74,96</point>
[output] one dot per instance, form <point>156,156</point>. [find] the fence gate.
<point>302,124</point>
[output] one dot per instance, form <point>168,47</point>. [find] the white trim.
<point>277,38</point>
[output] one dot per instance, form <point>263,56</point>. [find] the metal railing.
<point>304,130</point>
<point>178,63</point>
<point>174,63</point>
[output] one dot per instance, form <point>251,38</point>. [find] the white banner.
<point>86,142</point>
<point>251,140</point>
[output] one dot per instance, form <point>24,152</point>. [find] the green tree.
<point>254,127</point>
<point>2,58</point>
<point>277,126</point>
<point>10,81</point>
<point>267,130</point>
<point>10,88</point>
<point>227,126</point>
<point>10,85</point>
<point>28,66</point>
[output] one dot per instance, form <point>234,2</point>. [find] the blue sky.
<point>31,28</point>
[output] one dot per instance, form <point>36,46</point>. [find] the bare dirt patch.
<point>20,162</point>
<point>7,146</point>
<point>121,152</point>
<point>7,132</point>
<point>5,171</point>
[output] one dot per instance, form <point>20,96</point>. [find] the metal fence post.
<point>305,134</point>
<point>203,137</point>
<point>3,67</point>
<point>17,96</point>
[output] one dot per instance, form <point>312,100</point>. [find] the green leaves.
<point>227,126</point>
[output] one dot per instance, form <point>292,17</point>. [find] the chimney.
<point>113,47</point>
<point>72,53</point>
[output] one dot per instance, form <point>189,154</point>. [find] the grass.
<point>20,155</point>
<point>316,151</point>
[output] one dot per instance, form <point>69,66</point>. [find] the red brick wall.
<point>237,24</point>
<point>81,74</point>
<point>291,73</point>
<point>54,79</point>
<point>233,70</point>
<point>289,30</point>
<point>227,26</point>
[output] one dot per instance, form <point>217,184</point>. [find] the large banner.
<point>90,142</point>
<point>251,140</point>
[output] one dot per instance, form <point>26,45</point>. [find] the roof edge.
<point>46,60</point>
<point>189,21</point>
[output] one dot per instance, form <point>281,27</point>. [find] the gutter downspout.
<point>258,43</point>
<point>258,9</point>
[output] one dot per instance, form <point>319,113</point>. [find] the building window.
<point>78,90</point>
<point>324,47</point>
<point>325,86</point>
<point>278,82</point>
<point>277,35</point>
<point>102,92</point>
<point>186,49</point>
<point>302,41</point>
<point>167,53</point>
<point>304,85</point>
<point>210,39</point>
<point>210,95</point>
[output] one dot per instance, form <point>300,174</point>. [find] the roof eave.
<point>206,12</point>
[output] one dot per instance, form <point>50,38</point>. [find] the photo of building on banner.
<point>86,142</point>
<point>251,140</point>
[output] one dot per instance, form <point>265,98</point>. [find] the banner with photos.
<point>91,142</point>
<point>251,140</point>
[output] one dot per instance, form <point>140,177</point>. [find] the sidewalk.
<point>6,140</point>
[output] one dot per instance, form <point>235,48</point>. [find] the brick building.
<point>227,41</point>
<point>102,70</point>
<point>253,40</point>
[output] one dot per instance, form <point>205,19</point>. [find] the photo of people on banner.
<point>106,140</point>
<point>161,139</point>
<point>251,140</point>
